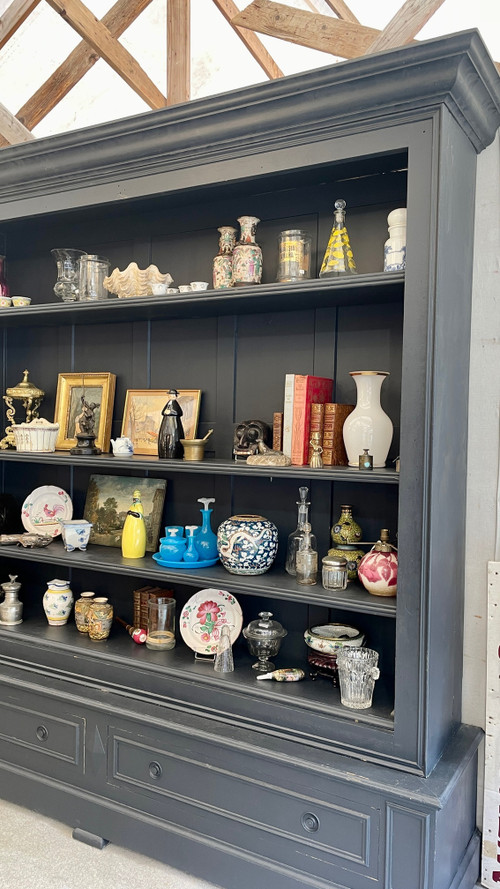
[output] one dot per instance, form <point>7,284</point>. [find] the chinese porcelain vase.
<point>223,262</point>
<point>57,602</point>
<point>247,544</point>
<point>368,426</point>
<point>247,255</point>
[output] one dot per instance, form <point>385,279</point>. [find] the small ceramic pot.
<point>247,544</point>
<point>353,555</point>
<point>5,301</point>
<point>75,534</point>
<point>172,548</point>
<point>100,618</point>
<point>199,285</point>
<point>122,447</point>
<point>57,602</point>
<point>330,638</point>
<point>185,288</point>
<point>82,606</point>
<point>21,300</point>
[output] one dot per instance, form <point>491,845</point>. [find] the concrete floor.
<point>39,853</point>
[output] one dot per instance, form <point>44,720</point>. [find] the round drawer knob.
<point>310,822</point>
<point>155,770</point>
<point>42,733</point>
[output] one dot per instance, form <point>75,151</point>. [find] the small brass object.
<point>194,448</point>
<point>30,396</point>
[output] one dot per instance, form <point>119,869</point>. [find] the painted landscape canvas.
<point>108,499</point>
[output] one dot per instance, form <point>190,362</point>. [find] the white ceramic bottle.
<point>395,246</point>
<point>368,426</point>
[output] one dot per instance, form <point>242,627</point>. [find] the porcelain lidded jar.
<point>368,426</point>
<point>247,544</point>
<point>378,570</point>
<point>57,602</point>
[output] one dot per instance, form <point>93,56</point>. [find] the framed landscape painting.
<point>109,497</point>
<point>142,416</point>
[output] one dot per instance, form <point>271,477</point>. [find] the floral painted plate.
<point>203,617</point>
<point>42,509</point>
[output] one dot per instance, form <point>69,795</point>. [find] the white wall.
<point>484,442</point>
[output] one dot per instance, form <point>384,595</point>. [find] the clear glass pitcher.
<point>358,671</point>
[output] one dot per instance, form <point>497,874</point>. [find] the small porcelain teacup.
<point>122,447</point>
<point>5,301</point>
<point>185,288</point>
<point>199,285</point>
<point>160,288</point>
<point>21,300</point>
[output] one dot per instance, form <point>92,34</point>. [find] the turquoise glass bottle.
<point>206,540</point>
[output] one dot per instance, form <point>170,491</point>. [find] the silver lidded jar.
<point>264,640</point>
<point>11,609</point>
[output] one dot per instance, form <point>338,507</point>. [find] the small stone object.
<point>267,457</point>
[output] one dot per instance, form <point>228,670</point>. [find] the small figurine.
<point>84,429</point>
<point>286,674</point>
<point>268,457</point>
<point>171,432</point>
<point>247,435</point>
<point>316,461</point>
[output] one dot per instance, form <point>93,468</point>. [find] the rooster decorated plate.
<point>203,617</point>
<point>43,508</point>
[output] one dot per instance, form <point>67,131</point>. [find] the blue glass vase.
<point>206,540</point>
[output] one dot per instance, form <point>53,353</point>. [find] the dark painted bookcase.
<point>241,782</point>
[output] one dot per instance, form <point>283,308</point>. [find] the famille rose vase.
<point>368,426</point>
<point>378,570</point>
<point>247,544</point>
<point>247,255</point>
<point>223,262</point>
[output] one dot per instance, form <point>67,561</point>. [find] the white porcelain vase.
<point>368,426</point>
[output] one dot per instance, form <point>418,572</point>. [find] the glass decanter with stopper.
<point>338,258</point>
<point>296,536</point>
<point>307,559</point>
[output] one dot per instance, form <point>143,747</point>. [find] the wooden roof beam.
<point>339,38</point>
<point>407,22</point>
<point>81,60</point>
<point>13,17</point>
<point>11,130</point>
<point>342,10</point>
<point>98,36</point>
<point>178,51</point>
<point>255,46</point>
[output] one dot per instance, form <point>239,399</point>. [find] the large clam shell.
<point>134,281</point>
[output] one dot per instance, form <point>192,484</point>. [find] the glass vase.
<point>67,286</point>
<point>358,671</point>
<point>247,255</point>
<point>338,258</point>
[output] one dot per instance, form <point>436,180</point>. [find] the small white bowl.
<point>21,300</point>
<point>185,288</point>
<point>199,285</point>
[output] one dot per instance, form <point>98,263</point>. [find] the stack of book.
<point>141,598</point>
<point>301,392</point>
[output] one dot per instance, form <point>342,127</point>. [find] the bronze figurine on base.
<point>85,423</point>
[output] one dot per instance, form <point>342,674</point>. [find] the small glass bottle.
<point>334,572</point>
<point>296,536</point>
<point>307,559</point>
<point>338,258</point>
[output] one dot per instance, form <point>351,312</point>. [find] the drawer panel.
<point>283,823</point>
<point>31,735</point>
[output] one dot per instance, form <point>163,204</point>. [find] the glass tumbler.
<point>357,668</point>
<point>93,270</point>
<point>161,624</point>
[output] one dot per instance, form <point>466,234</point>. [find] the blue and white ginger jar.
<point>247,544</point>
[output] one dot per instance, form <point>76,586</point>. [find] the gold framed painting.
<point>142,416</point>
<point>74,391</point>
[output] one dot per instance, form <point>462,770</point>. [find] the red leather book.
<point>308,390</point>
